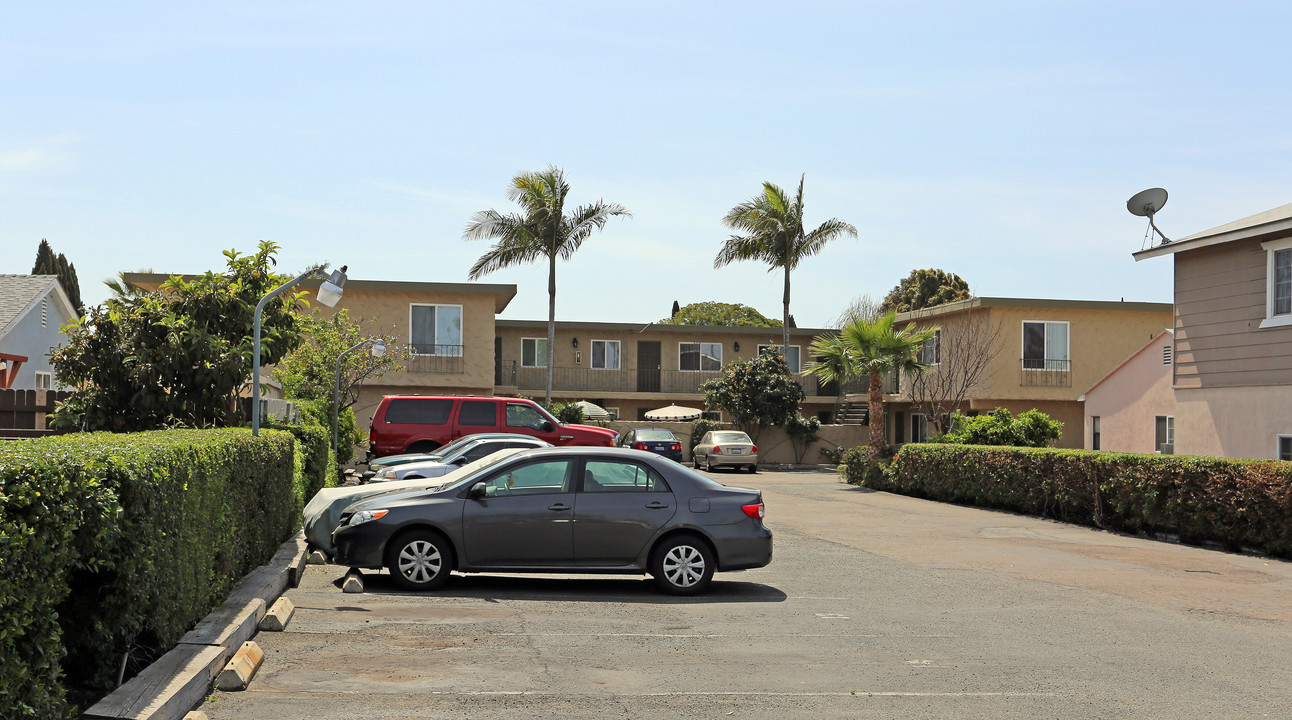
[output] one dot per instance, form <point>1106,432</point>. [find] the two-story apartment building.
<point>1043,355</point>
<point>1232,375</point>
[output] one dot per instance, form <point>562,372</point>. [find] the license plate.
<point>737,451</point>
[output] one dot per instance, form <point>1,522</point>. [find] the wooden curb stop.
<point>215,651</point>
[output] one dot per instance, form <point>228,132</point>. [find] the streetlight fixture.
<point>329,294</point>
<point>378,350</point>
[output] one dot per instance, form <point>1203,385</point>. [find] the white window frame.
<point>797,348</point>
<point>1170,432</point>
<point>700,353</point>
<point>47,377</point>
<point>412,345</point>
<point>1097,432</point>
<point>1278,442</point>
<point>618,355</point>
<point>1045,352</point>
<point>1271,248</point>
<point>539,358</point>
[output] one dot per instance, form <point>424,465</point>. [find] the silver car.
<point>468,452</point>
<point>725,448</point>
<point>562,509</point>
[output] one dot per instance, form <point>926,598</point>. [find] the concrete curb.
<point>179,680</point>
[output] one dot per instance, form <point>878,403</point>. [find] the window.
<point>919,428</point>
<point>524,416</point>
<point>601,476</point>
<point>605,354</point>
<point>478,413</point>
<point>546,477</point>
<point>931,352</point>
<point>1285,447</point>
<point>1164,433</point>
<point>791,354</point>
<point>44,380</point>
<point>1045,346</point>
<point>419,411</point>
<point>1094,432</point>
<point>701,356</point>
<point>435,329</point>
<point>533,352</point>
<point>1278,282</point>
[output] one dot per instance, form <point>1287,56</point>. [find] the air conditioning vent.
<point>1166,354</point>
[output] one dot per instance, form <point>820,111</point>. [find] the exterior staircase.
<point>854,412</point>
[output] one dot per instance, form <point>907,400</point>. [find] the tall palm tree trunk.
<point>551,324</point>
<point>786,300</point>
<point>876,412</point>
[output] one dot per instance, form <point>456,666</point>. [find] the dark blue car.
<point>656,440</point>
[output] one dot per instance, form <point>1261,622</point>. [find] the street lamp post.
<point>329,294</point>
<point>378,350</point>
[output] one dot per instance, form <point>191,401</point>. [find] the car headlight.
<point>386,473</point>
<point>364,516</point>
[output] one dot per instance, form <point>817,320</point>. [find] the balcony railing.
<point>446,359</point>
<point>1046,373</point>
<point>594,382</point>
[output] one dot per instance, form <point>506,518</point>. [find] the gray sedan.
<point>562,509</point>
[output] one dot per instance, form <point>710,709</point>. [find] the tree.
<point>719,313</point>
<point>802,433</point>
<point>864,306</point>
<point>541,230</point>
<point>772,227</point>
<point>758,393</point>
<point>1030,429</point>
<point>925,288</point>
<point>178,356</point>
<point>49,264</point>
<point>960,356</point>
<point>870,349</point>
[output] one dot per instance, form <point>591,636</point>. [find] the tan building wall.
<point>774,446</point>
<point>1128,401</point>
<point>1232,422</point>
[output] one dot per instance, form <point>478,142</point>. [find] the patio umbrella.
<point>674,413</point>
<point>592,411</point>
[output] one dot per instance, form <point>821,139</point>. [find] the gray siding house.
<point>33,309</point>
<point>1232,373</point>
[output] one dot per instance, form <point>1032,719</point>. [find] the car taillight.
<point>753,450</point>
<point>676,447</point>
<point>717,450</point>
<point>640,446</point>
<point>754,511</point>
<point>372,437</point>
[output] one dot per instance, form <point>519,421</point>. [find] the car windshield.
<point>656,435</point>
<point>468,472</point>
<point>731,437</point>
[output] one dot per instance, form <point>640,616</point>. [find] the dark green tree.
<point>925,288</point>
<point>719,313</point>
<point>1030,429</point>
<point>178,356</point>
<point>757,393</point>
<point>541,231</point>
<point>47,263</point>
<point>772,230</point>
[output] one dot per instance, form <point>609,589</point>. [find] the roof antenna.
<point>1146,203</point>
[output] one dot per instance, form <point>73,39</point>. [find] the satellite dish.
<point>1146,203</point>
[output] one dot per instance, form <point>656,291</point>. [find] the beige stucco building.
<point>1132,408</point>
<point>1232,376</point>
<point>1043,355</point>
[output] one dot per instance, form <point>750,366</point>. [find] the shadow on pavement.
<point>585,589</point>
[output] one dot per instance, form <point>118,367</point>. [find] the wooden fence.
<point>23,413</point>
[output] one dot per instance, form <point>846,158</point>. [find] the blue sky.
<point>998,141</point>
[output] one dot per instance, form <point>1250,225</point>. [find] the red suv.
<point>421,423</point>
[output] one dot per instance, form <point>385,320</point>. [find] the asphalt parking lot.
<point>875,606</point>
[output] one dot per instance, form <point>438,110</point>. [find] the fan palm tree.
<point>772,227</point>
<point>873,349</point>
<point>540,230</point>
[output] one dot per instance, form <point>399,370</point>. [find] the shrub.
<point>698,429</point>
<point>1030,429</point>
<point>120,542</point>
<point>802,433</point>
<point>858,468</point>
<point>1235,503</point>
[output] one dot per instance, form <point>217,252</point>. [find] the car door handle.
<point>558,506</point>
<point>656,505</point>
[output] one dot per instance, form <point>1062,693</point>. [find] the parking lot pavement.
<point>875,605</point>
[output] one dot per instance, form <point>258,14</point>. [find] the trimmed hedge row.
<point>1235,503</point>
<point>116,543</point>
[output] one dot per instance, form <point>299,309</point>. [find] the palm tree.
<point>772,224</point>
<point>871,348</point>
<point>540,230</point>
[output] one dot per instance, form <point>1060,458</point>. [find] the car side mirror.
<point>548,426</point>
<point>477,491</point>
<point>460,461</point>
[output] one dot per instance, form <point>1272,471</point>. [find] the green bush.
<point>858,469</point>
<point>698,429</point>
<point>802,433</point>
<point>316,445</point>
<point>1234,503</point>
<point>1030,429</point>
<point>121,542</point>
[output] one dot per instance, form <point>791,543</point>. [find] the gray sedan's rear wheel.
<point>695,461</point>
<point>708,463</point>
<point>420,560</point>
<point>683,565</point>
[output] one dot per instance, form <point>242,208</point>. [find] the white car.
<point>467,453</point>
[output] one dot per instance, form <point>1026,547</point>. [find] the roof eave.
<point>1281,226</point>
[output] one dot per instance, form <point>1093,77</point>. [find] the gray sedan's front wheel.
<point>420,560</point>
<point>683,565</point>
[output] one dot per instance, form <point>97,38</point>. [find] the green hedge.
<point>315,446</point>
<point>1235,503</point>
<point>117,542</point>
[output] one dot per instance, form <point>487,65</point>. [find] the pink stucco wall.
<point>1128,400</point>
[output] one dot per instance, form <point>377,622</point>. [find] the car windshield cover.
<point>656,435</point>
<point>468,473</point>
<point>731,437</point>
